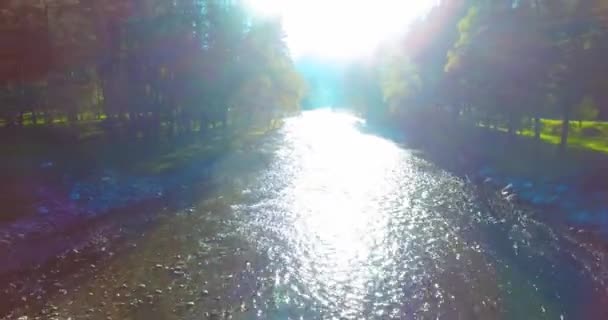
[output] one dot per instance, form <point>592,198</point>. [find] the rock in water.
<point>507,189</point>
<point>512,197</point>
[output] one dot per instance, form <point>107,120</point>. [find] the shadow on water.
<point>449,160</point>
<point>72,245</point>
<point>48,265</point>
<point>540,265</point>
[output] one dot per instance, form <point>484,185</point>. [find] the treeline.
<point>502,64</point>
<point>142,66</point>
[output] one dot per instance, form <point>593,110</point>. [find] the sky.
<point>341,29</point>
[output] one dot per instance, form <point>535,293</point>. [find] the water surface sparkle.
<point>322,221</point>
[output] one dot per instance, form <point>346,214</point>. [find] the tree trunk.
<point>72,117</point>
<point>537,128</point>
<point>511,125</point>
<point>565,129</point>
<point>204,123</point>
<point>48,118</point>
<point>156,126</point>
<point>21,119</point>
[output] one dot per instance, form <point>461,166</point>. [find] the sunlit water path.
<point>322,221</point>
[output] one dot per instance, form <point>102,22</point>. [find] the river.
<point>322,220</point>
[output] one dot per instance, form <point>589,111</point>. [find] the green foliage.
<point>363,93</point>
<point>465,29</point>
<point>551,130</point>
<point>401,82</point>
<point>151,64</point>
<point>498,63</point>
<point>587,110</point>
<point>269,88</point>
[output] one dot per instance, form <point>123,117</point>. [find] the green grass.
<point>528,158</point>
<point>212,146</point>
<point>551,133</point>
<point>87,148</point>
<point>41,120</point>
<point>517,156</point>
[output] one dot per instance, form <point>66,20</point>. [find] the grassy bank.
<point>35,172</point>
<point>467,148</point>
<point>590,135</point>
<point>86,145</point>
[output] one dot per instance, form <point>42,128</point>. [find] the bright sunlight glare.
<point>341,29</point>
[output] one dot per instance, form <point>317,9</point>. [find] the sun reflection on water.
<point>353,226</point>
<point>336,198</point>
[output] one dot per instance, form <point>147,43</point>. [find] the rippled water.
<point>322,221</point>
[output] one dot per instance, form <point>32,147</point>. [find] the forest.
<point>148,67</point>
<point>143,68</point>
<point>532,67</point>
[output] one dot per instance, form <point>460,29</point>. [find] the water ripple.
<point>346,225</point>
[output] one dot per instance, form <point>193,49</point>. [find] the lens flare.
<point>341,29</point>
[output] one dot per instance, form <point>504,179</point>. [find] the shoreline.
<point>572,187</point>
<point>571,191</point>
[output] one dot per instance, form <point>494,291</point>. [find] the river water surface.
<point>323,221</point>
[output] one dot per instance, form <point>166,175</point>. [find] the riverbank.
<point>572,186</point>
<point>50,192</point>
<point>67,213</point>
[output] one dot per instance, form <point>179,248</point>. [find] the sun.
<point>341,29</point>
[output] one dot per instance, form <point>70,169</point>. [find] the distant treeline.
<point>501,63</point>
<point>142,64</point>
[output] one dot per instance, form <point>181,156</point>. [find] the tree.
<point>144,64</point>
<point>500,62</point>
<point>586,111</point>
<point>270,87</point>
<point>363,92</point>
<point>401,83</point>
